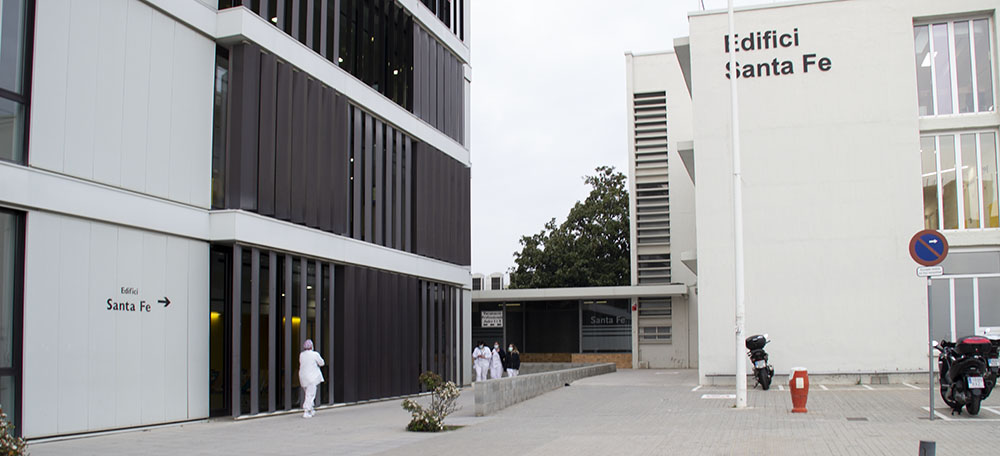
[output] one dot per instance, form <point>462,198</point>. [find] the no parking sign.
<point>928,247</point>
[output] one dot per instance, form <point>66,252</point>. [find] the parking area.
<point>626,412</point>
<point>989,410</point>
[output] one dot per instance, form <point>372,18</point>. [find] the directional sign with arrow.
<point>165,301</point>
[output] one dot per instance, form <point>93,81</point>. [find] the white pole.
<point>741,366</point>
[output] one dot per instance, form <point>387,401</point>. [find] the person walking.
<point>481,361</point>
<point>513,361</point>
<point>496,362</point>
<point>309,376</point>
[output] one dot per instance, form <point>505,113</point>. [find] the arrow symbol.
<point>165,301</point>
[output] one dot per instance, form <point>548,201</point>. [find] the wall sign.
<point>768,40</point>
<point>128,301</point>
<point>492,319</point>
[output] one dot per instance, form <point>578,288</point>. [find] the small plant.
<point>9,444</point>
<point>443,397</point>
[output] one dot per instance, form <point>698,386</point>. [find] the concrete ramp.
<point>498,394</point>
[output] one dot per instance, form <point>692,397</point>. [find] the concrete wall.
<point>832,186</point>
<point>495,395</point>
<point>87,367</point>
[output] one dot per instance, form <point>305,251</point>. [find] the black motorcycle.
<point>994,358</point>
<point>966,375</point>
<point>762,371</point>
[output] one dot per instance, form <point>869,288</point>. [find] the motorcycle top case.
<point>755,342</point>
<point>973,345</point>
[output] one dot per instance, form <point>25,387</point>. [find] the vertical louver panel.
<point>652,188</point>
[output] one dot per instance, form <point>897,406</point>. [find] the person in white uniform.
<point>309,376</point>
<point>481,361</point>
<point>496,363</point>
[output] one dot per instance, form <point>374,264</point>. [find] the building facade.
<point>661,210</point>
<point>861,123</point>
<point>189,189</point>
<point>585,324</point>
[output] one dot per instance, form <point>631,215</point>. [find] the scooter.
<point>762,371</point>
<point>994,358</point>
<point>965,373</point>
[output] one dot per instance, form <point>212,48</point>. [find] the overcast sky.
<point>548,106</point>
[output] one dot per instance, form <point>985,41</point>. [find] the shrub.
<point>443,397</point>
<point>9,444</point>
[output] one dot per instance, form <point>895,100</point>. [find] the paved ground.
<point>628,412</point>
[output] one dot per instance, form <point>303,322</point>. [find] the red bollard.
<point>798,383</point>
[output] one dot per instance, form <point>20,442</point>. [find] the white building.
<point>854,117</point>
<point>191,188</point>
<point>661,210</point>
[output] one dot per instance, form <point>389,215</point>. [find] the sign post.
<point>929,248</point>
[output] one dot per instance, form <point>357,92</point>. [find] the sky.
<point>548,106</point>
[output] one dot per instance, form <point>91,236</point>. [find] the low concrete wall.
<point>495,395</point>
<point>537,368</point>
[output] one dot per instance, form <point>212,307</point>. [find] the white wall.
<point>832,189</point>
<point>122,95</point>
<point>648,73</point>
<point>87,368</point>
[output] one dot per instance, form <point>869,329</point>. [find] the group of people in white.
<point>495,361</point>
<point>484,359</point>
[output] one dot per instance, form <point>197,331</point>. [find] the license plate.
<point>994,362</point>
<point>759,364</point>
<point>976,383</point>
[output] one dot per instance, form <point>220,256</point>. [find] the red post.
<point>798,383</point>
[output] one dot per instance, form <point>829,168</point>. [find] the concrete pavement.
<point>627,412</point>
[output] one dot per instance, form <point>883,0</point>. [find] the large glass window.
<point>606,326</point>
<point>219,126</point>
<point>954,67</point>
<point>14,46</point>
<point>376,46</point>
<point>11,268</point>
<point>959,175</point>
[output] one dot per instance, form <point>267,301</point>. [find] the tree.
<point>591,248</point>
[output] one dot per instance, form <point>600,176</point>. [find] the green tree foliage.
<point>591,248</point>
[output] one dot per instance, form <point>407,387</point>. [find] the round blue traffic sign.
<point>928,247</point>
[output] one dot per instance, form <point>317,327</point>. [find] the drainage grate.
<point>856,418</point>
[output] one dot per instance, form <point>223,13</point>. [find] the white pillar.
<point>741,367</point>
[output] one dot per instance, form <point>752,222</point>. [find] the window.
<point>11,269</point>
<point>15,45</point>
<point>959,173</point>
<point>655,307</point>
<point>606,326</point>
<point>655,334</point>
<point>477,284</point>
<point>954,67</point>
<point>219,126</point>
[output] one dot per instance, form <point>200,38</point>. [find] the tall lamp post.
<point>741,367</point>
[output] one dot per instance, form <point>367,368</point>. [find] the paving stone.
<point>627,412</point>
